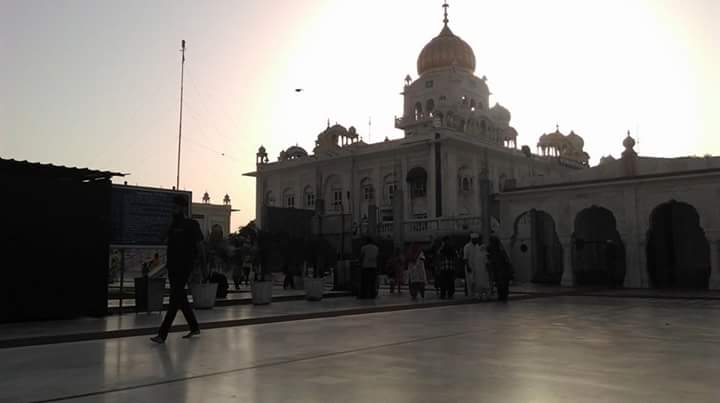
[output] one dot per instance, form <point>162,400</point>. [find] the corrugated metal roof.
<point>58,170</point>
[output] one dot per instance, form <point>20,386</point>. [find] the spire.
<point>445,7</point>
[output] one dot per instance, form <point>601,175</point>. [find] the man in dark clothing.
<point>446,269</point>
<point>500,267</point>
<point>184,242</point>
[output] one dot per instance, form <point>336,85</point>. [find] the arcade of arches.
<point>677,252</point>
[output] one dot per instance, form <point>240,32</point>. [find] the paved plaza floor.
<point>542,350</point>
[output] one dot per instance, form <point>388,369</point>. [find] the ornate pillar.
<point>715,262</point>
<point>568,278</point>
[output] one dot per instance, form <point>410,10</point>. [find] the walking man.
<point>446,272</point>
<point>476,273</point>
<point>184,243</point>
<point>500,267</point>
<point>369,263</point>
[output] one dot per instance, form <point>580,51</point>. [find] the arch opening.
<point>678,253</point>
<point>536,250</point>
<point>598,252</point>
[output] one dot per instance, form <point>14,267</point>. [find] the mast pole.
<point>182,77</point>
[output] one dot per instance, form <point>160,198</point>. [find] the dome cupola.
<point>446,50</point>
<point>500,113</point>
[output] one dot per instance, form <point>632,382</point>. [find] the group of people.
<point>485,267</point>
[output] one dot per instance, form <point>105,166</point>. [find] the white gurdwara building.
<point>425,184</point>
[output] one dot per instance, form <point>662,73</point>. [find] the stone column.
<point>431,183</point>
<point>568,278</point>
<point>715,263</point>
<point>402,182</point>
<point>633,271</point>
<point>259,199</point>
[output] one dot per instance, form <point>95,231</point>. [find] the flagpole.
<point>182,77</point>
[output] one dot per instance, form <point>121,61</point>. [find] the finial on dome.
<point>445,6</point>
<point>629,142</point>
<point>557,127</point>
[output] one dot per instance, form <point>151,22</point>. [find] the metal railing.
<point>433,226</point>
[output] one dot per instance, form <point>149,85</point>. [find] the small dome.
<point>261,150</point>
<point>555,137</point>
<point>606,159</point>
<point>576,140</point>
<point>629,142</point>
<point>500,113</point>
<point>543,140</point>
<point>295,152</point>
<point>336,129</point>
<point>444,51</point>
<point>510,133</point>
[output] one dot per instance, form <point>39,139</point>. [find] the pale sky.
<point>95,83</point>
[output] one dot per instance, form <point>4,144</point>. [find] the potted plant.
<point>203,291</point>
<point>261,287</point>
<point>149,291</point>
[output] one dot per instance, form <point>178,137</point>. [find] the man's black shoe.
<point>158,339</point>
<point>191,334</point>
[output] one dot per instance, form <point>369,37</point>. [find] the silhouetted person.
<point>477,278</point>
<point>396,270</point>
<point>184,243</point>
<point>368,269</point>
<point>288,281</point>
<point>500,267</point>
<point>417,277</point>
<point>446,269</point>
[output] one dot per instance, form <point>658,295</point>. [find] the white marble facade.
<point>632,189</point>
<point>452,138</point>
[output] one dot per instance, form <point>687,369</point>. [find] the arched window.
<point>501,182</point>
<point>289,198</point>
<point>472,104</point>
<point>465,180</point>
<point>309,197</point>
<point>418,110</point>
<point>417,179</point>
<point>334,193</point>
<point>429,105</point>
<point>389,188</point>
<point>269,198</point>
<point>368,191</point>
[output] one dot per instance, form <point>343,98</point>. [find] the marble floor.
<point>554,349</point>
<point>217,315</point>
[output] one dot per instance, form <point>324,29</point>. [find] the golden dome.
<point>446,50</point>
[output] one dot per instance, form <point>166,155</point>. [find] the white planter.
<point>203,295</point>
<point>262,292</point>
<point>314,288</point>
